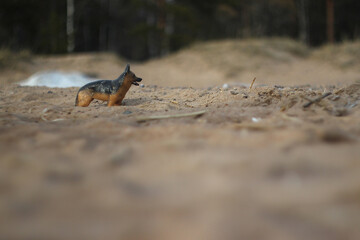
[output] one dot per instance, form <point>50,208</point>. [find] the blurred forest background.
<point>143,29</point>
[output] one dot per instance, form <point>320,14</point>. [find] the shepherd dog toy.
<point>112,91</point>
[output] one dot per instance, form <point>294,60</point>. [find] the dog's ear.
<point>127,68</point>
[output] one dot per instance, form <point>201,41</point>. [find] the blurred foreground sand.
<point>255,165</point>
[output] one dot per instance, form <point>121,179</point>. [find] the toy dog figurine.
<point>112,91</point>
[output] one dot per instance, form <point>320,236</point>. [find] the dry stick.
<point>252,83</point>
<point>143,119</point>
<point>44,114</point>
<point>316,100</point>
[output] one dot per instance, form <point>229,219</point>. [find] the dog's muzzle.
<point>136,81</point>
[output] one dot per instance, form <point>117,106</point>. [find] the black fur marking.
<point>105,86</point>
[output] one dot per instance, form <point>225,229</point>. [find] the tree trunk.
<point>104,26</point>
<point>70,26</point>
<point>303,16</point>
<point>161,25</point>
<point>330,20</point>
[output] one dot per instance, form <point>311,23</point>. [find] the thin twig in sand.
<point>143,119</point>
<point>252,83</point>
<point>252,126</point>
<point>316,100</point>
<point>44,114</point>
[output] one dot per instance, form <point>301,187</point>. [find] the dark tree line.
<point>141,29</point>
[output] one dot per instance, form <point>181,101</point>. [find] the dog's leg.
<point>118,102</point>
<point>84,99</point>
<point>112,101</point>
<point>85,103</point>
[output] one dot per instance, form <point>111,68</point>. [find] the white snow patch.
<point>57,79</point>
<point>225,86</point>
<point>255,120</point>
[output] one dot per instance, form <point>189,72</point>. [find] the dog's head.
<point>130,77</point>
